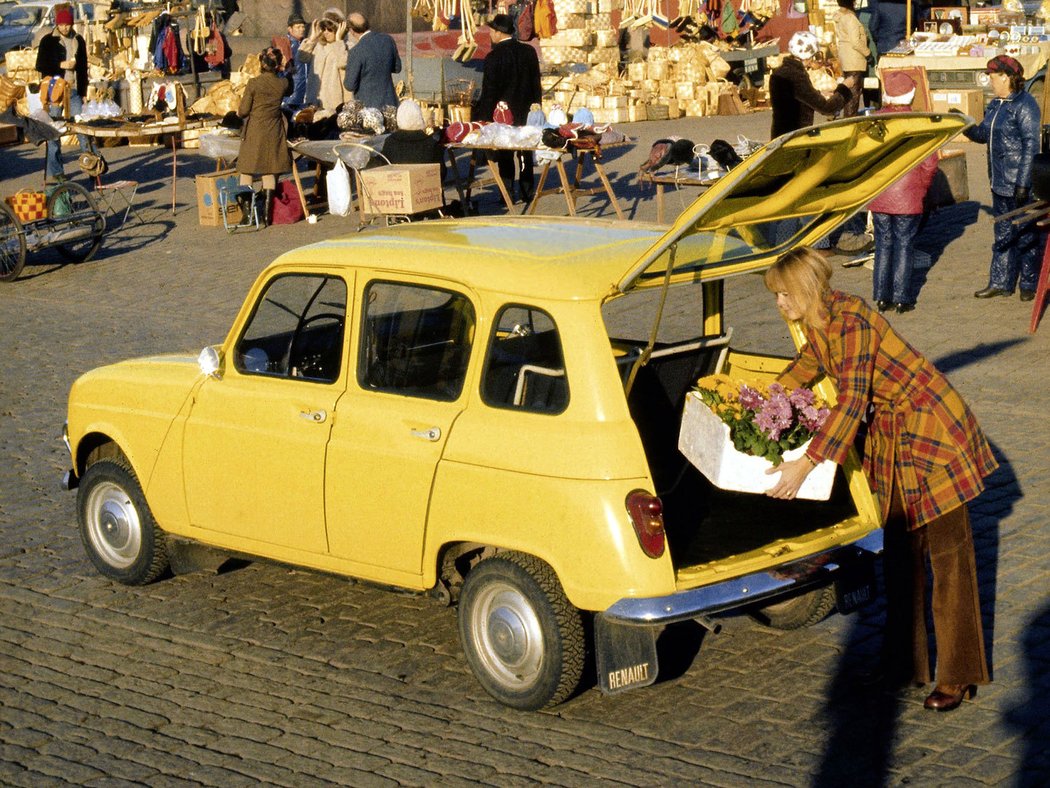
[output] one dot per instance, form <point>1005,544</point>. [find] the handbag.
<point>287,209</point>
<point>28,205</point>
<point>92,164</point>
<point>10,93</point>
<point>338,183</point>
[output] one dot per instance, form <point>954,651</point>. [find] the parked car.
<point>455,407</point>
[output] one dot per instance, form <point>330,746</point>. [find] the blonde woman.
<point>925,457</point>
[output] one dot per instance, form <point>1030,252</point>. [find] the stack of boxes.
<point>585,34</point>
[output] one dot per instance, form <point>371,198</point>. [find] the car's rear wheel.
<point>804,610</point>
<point>119,533</point>
<point>522,637</point>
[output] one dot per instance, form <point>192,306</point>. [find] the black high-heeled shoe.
<point>946,697</point>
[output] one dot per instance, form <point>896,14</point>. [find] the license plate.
<point>626,655</point>
<point>855,585</point>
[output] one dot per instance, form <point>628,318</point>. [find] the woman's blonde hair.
<point>806,276</point>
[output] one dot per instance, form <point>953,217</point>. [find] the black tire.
<point>12,245</point>
<point>522,638</point>
<point>119,533</point>
<point>800,611</point>
<point>72,209</point>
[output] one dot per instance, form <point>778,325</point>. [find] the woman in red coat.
<point>897,212</point>
<point>925,457</point>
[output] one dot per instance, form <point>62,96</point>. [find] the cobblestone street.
<point>265,674</point>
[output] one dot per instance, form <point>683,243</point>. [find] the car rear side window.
<point>296,330</point>
<point>525,368</point>
<point>415,340</point>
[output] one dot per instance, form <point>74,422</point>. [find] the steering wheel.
<point>302,365</point>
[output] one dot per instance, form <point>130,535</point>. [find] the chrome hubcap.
<point>507,636</point>
<point>113,525</point>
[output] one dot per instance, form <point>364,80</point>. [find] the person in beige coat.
<point>852,43</point>
<point>325,49</point>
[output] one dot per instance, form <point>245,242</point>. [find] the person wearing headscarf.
<point>325,51</point>
<point>792,96</point>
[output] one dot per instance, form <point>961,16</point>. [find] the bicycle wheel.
<point>12,245</point>
<point>77,221</point>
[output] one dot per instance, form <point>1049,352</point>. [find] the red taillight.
<point>647,517</point>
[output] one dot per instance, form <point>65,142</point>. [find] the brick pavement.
<point>270,675</point>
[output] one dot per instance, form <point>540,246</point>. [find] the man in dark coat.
<point>791,93</point>
<point>295,70</point>
<point>63,53</point>
<point>512,74</point>
<point>370,64</point>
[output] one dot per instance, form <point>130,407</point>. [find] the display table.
<point>572,190</point>
<point>130,129</point>
<point>962,72</point>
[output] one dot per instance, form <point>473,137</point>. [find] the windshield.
<point>14,15</point>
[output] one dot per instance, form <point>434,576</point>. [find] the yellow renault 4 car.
<point>450,407</point>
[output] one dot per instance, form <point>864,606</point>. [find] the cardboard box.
<point>401,189</point>
<point>969,102</point>
<point>9,134</point>
<point>209,213</point>
<point>705,442</point>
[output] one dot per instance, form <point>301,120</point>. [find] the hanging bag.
<point>28,205</point>
<point>338,183</point>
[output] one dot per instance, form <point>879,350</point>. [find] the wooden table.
<point>678,181</point>
<point>128,130</point>
<point>572,190</point>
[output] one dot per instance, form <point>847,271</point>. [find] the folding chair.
<point>228,200</point>
<point>118,196</point>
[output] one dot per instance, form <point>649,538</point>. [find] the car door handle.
<point>431,435</point>
<point>316,416</point>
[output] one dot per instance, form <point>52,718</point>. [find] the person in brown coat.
<point>264,148</point>
<point>925,457</point>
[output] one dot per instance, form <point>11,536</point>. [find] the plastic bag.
<point>338,182</point>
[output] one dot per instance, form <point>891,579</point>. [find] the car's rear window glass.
<point>415,340</point>
<point>525,368</point>
<point>296,330</point>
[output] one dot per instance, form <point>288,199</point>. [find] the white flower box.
<point>704,440</point>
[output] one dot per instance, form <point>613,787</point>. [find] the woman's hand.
<point>792,474</point>
<point>315,30</point>
<point>340,32</point>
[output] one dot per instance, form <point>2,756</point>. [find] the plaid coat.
<point>919,427</point>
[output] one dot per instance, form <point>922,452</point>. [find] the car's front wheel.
<point>119,533</point>
<point>522,637</point>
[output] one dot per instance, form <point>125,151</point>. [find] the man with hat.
<point>792,96</point>
<point>1011,130</point>
<point>370,65</point>
<point>897,212</point>
<point>511,74</point>
<point>293,69</point>
<point>62,54</point>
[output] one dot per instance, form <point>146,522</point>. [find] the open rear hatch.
<point>793,191</point>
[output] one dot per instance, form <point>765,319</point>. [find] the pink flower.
<point>750,398</point>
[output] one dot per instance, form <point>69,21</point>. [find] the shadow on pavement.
<point>864,720</point>
<point>1029,716</point>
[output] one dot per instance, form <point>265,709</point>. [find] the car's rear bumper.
<point>815,570</point>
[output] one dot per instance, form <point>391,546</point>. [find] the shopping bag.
<point>287,209</point>
<point>338,182</point>
<point>28,205</point>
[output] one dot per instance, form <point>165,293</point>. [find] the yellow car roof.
<point>557,258</point>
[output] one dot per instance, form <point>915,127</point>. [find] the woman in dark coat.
<point>925,456</point>
<point>264,148</point>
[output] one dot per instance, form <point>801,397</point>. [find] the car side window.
<point>525,369</point>
<point>296,330</point>
<point>415,340</point>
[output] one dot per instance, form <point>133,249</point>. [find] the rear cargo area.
<point>705,524</point>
